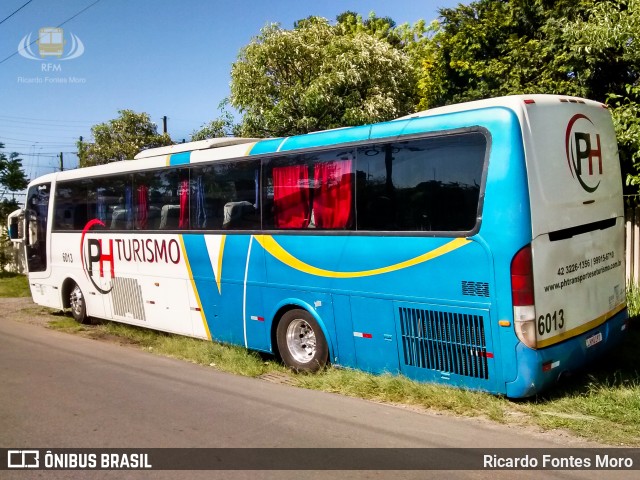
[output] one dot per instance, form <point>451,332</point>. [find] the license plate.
<point>593,339</point>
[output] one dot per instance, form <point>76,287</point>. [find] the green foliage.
<point>633,300</point>
<point>626,119</point>
<point>223,126</point>
<point>13,285</point>
<point>608,41</point>
<point>491,48</point>
<point>319,76</point>
<point>8,254</point>
<point>585,48</point>
<point>12,177</point>
<point>121,139</point>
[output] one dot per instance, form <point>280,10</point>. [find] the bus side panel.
<point>505,229</point>
<point>376,278</point>
<point>374,335</point>
<point>66,263</point>
<point>218,269</point>
<point>344,354</point>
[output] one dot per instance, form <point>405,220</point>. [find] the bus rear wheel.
<point>78,305</point>
<point>301,343</point>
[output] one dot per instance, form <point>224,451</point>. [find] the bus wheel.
<point>78,305</point>
<point>301,343</point>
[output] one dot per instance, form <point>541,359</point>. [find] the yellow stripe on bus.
<point>582,328</point>
<point>275,249</point>
<point>195,290</point>
<point>219,271</point>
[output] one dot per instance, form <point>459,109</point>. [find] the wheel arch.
<point>65,290</point>
<point>293,304</point>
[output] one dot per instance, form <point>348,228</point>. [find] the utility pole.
<point>61,162</point>
<point>164,124</point>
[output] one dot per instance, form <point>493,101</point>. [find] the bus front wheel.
<point>301,343</point>
<point>78,305</point>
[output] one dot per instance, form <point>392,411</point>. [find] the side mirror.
<point>13,230</point>
<point>16,226</point>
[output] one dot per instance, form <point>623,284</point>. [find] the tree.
<point>318,76</point>
<point>12,179</point>
<point>608,40</point>
<point>571,47</point>
<point>121,139</point>
<point>494,47</point>
<point>223,126</point>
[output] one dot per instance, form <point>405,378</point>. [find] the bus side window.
<point>431,184</point>
<point>225,196</point>
<point>310,191</point>
<point>115,202</point>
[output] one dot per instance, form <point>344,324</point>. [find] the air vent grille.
<point>127,298</point>
<point>475,289</point>
<point>444,341</point>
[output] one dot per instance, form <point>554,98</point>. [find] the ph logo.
<point>584,152</point>
<point>92,252</point>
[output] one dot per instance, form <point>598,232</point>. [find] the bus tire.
<point>301,343</point>
<point>78,305</point>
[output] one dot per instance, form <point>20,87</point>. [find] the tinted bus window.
<point>310,191</point>
<point>431,184</point>
<point>160,200</point>
<point>226,196</point>
<point>108,199</point>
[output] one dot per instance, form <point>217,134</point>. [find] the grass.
<point>13,285</point>
<point>227,358</point>
<point>601,403</point>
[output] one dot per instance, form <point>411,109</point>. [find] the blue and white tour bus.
<point>479,245</point>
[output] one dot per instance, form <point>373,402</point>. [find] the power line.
<point>59,136</point>
<point>25,123</point>
<point>34,142</point>
<point>7,18</point>
<point>45,154</point>
<point>67,20</point>
<point>45,120</point>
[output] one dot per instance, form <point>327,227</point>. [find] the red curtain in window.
<point>183,193</point>
<point>142,207</point>
<point>291,196</point>
<point>332,195</point>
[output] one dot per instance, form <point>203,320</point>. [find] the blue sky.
<point>163,57</point>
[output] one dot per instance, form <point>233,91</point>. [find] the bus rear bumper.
<point>540,369</point>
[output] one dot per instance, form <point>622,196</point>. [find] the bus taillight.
<point>524,310</point>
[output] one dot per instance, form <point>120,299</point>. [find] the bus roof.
<point>193,146</point>
<point>513,102</point>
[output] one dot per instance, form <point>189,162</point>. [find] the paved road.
<point>59,390</point>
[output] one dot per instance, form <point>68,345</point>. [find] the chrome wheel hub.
<point>301,341</point>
